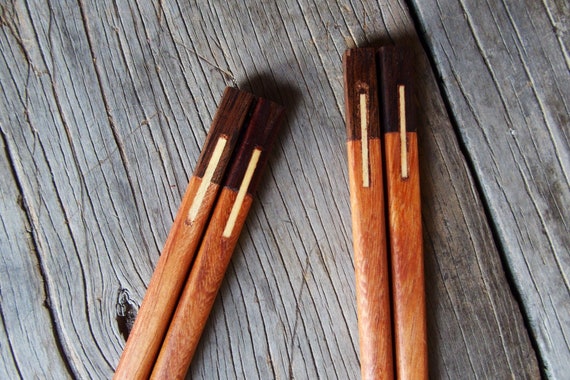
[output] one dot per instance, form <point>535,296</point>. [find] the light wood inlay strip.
<point>241,192</point>
<point>403,143</point>
<point>364,139</point>
<point>207,179</point>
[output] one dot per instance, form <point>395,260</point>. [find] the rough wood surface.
<point>22,294</point>
<point>505,72</point>
<point>104,107</point>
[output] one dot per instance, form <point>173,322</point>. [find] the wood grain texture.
<point>406,259</point>
<point>505,75</point>
<point>367,205</point>
<point>22,293</point>
<point>233,113</point>
<point>166,284</point>
<point>391,309</point>
<point>200,291</point>
<point>104,108</point>
<point>360,76</point>
<point>262,130</point>
<point>371,263</point>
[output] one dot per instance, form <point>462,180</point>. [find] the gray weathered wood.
<point>463,268</point>
<point>22,295</point>
<point>505,70</point>
<point>104,108</point>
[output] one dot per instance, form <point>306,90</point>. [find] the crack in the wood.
<point>126,311</point>
<point>297,317</point>
<point>226,73</point>
<point>257,255</point>
<point>427,47</point>
<point>67,129</point>
<point>35,250</point>
<point>110,119</point>
<point>10,346</point>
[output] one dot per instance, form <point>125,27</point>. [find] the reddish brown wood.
<point>367,207</point>
<point>370,265</point>
<point>218,244</point>
<point>200,291</point>
<point>406,252</point>
<point>166,284</point>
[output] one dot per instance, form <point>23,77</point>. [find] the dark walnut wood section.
<point>232,114</point>
<point>397,71</point>
<point>361,85</point>
<point>265,121</point>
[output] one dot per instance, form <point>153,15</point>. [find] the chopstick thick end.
<point>231,115</point>
<point>396,75</point>
<point>361,94</point>
<point>259,135</point>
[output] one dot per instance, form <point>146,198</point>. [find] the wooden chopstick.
<point>391,314</point>
<point>218,243</point>
<point>166,284</point>
<point>404,214</point>
<point>367,206</point>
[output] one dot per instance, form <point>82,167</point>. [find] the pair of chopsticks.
<point>386,213</point>
<point>199,246</point>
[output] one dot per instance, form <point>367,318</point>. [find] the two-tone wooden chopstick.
<point>368,220</point>
<point>404,214</point>
<point>158,306</point>
<point>386,213</point>
<point>218,243</point>
<point>145,339</point>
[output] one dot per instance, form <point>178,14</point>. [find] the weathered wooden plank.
<point>505,70</point>
<point>73,182</point>
<point>105,108</point>
<point>23,307</point>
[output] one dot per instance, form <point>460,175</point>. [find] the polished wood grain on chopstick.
<point>218,243</point>
<point>404,213</point>
<point>168,279</point>
<point>368,213</point>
